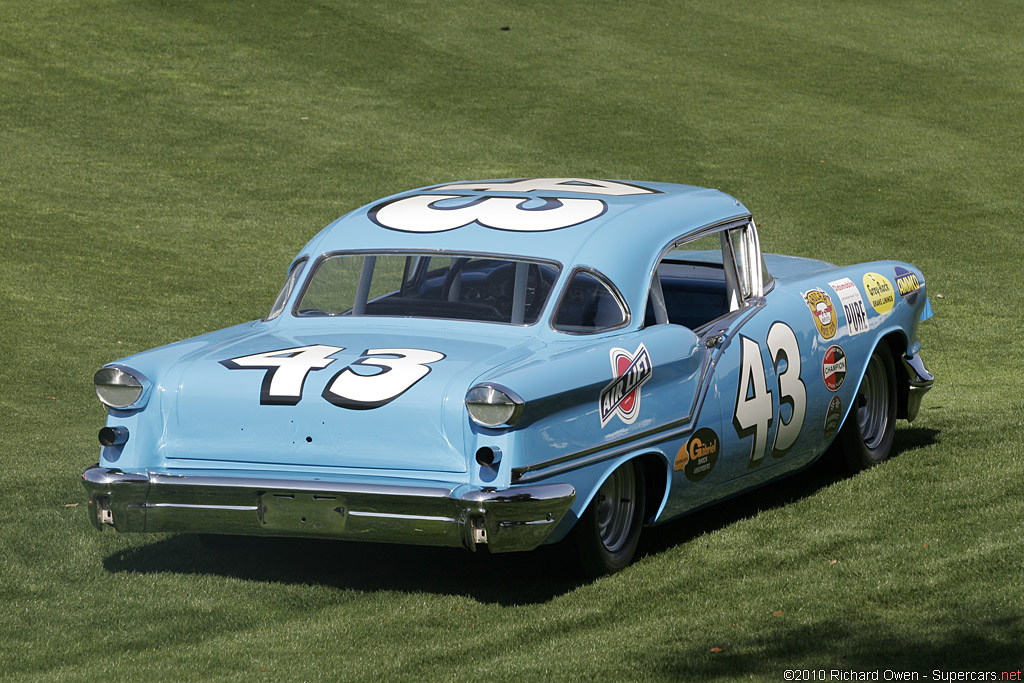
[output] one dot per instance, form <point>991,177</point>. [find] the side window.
<point>589,304</point>
<point>701,279</point>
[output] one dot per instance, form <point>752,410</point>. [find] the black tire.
<point>606,536</point>
<point>865,439</point>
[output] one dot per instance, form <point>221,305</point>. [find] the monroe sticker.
<point>697,458</point>
<point>824,313</point>
<point>832,417</point>
<point>880,292</point>
<point>622,396</point>
<point>853,305</point>
<point>908,284</point>
<point>833,367</point>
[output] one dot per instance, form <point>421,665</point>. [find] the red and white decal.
<point>833,367</point>
<point>622,396</point>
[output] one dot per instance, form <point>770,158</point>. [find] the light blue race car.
<point>507,363</point>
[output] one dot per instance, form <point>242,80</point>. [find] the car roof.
<point>638,220</point>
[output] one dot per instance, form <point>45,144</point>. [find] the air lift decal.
<point>286,371</point>
<point>556,206</point>
<point>622,396</point>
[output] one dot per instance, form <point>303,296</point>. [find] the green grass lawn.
<point>161,162</point>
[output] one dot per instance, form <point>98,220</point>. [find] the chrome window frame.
<point>291,283</point>
<point>762,281</point>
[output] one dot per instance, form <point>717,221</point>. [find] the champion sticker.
<point>698,457</point>
<point>832,417</point>
<point>880,292</point>
<point>833,367</point>
<point>622,396</point>
<point>853,305</point>
<point>908,284</point>
<point>823,311</point>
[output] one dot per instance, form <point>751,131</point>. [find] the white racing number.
<point>754,414</point>
<point>398,370</point>
<point>551,211</point>
<point>286,371</point>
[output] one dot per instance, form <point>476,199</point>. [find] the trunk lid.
<point>364,398</point>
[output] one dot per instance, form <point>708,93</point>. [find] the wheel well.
<point>898,345</point>
<point>655,482</point>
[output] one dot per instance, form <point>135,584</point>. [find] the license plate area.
<point>302,513</point>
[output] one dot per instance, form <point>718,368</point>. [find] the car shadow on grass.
<point>507,579</point>
<point>822,473</point>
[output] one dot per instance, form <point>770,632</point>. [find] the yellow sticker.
<point>880,292</point>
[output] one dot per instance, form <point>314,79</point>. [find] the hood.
<point>356,396</point>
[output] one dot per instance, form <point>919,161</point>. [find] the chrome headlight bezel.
<point>493,406</point>
<point>120,387</point>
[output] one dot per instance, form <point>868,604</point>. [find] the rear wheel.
<point>606,536</point>
<point>866,437</point>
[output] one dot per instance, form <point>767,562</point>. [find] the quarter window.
<point>589,304</point>
<point>286,290</point>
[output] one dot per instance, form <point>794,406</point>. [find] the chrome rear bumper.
<point>518,518</point>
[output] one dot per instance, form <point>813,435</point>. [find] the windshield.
<point>451,286</point>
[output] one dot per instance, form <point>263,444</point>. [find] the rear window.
<point>450,286</point>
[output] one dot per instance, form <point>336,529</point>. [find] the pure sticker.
<point>853,305</point>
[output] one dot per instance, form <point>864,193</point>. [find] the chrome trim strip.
<point>386,515</point>
<point>192,506</point>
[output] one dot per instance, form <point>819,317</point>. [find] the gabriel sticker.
<point>853,305</point>
<point>697,458</point>
<point>908,284</point>
<point>622,396</point>
<point>880,292</point>
<point>823,311</point>
<point>833,367</point>
<point>832,417</point>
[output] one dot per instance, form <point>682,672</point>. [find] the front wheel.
<point>606,536</point>
<point>866,437</point>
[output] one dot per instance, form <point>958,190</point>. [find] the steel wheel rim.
<point>873,403</point>
<point>615,507</point>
